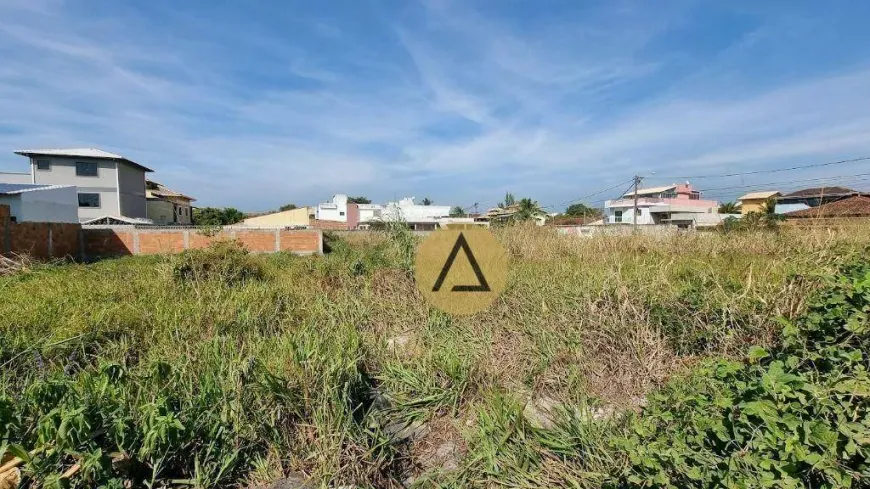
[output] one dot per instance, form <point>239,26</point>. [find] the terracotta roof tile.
<point>821,191</point>
<point>858,206</point>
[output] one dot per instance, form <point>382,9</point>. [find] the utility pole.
<point>634,210</point>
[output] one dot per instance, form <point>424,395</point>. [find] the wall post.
<point>135,241</point>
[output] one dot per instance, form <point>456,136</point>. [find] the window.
<point>341,213</point>
<point>637,211</point>
<point>43,164</point>
<point>86,169</point>
<point>89,200</point>
<point>618,216</point>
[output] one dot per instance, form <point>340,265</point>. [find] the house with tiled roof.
<point>850,207</point>
<point>166,206</point>
<point>814,197</point>
<point>756,201</point>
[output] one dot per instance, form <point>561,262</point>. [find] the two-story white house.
<point>108,184</point>
<point>677,204</point>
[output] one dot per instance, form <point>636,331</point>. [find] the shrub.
<point>797,416</point>
<point>226,261</point>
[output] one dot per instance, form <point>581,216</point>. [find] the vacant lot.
<point>220,368</point>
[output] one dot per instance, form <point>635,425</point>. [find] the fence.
<point>128,240</point>
<point>43,240</point>
<point>40,240</point>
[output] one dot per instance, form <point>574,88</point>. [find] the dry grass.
<point>584,322</point>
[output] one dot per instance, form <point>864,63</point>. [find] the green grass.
<point>152,370</point>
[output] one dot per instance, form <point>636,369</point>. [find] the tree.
<point>359,200</point>
<point>581,210</point>
<point>457,212</point>
<point>766,218</point>
<point>427,201</point>
<point>528,210</point>
<point>508,200</point>
<point>213,216</point>
<point>729,208</point>
<point>231,215</point>
<point>287,207</point>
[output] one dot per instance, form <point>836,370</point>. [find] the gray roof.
<point>81,153</point>
<point>20,188</point>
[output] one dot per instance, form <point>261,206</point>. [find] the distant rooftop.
<point>650,190</point>
<point>158,190</point>
<point>759,195</point>
<point>81,153</point>
<point>822,191</point>
<point>857,206</point>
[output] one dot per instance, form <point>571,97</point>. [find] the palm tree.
<point>508,200</point>
<point>729,208</point>
<point>528,210</point>
<point>457,212</point>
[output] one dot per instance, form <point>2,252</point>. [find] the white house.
<point>334,210</point>
<point>676,204</point>
<point>40,203</point>
<point>418,216</point>
<point>370,212</point>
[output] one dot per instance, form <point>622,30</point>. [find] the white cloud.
<point>459,105</point>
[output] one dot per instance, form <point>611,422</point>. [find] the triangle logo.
<point>462,244</point>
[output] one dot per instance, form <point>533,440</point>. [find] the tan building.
<point>300,217</point>
<point>167,207</point>
<point>755,201</point>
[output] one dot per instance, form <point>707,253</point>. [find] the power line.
<point>859,182</point>
<point>756,172</point>
<point>631,180</point>
<point>819,179</point>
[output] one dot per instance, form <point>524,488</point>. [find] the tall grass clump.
<point>226,261</point>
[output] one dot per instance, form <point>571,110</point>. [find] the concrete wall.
<point>44,205</point>
<point>293,217</point>
<point>6,177</point>
<point>63,172</point>
<point>752,205</point>
<point>352,215</point>
<point>131,188</point>
<point>370,212</point>
<point>168,212</point>
<point>162,212</point>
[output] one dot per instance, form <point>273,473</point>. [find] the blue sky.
<point>256,104</point>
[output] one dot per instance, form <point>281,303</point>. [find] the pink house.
<point>677,204</point>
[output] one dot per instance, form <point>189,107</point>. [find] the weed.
<point>242,368</point>
<point>226,261</point>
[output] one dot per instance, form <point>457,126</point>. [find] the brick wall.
<point>107,242</point>
<point>329,225</point>
<point>119,240</point>
<point>40,240</point>
<point>43,240</point>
